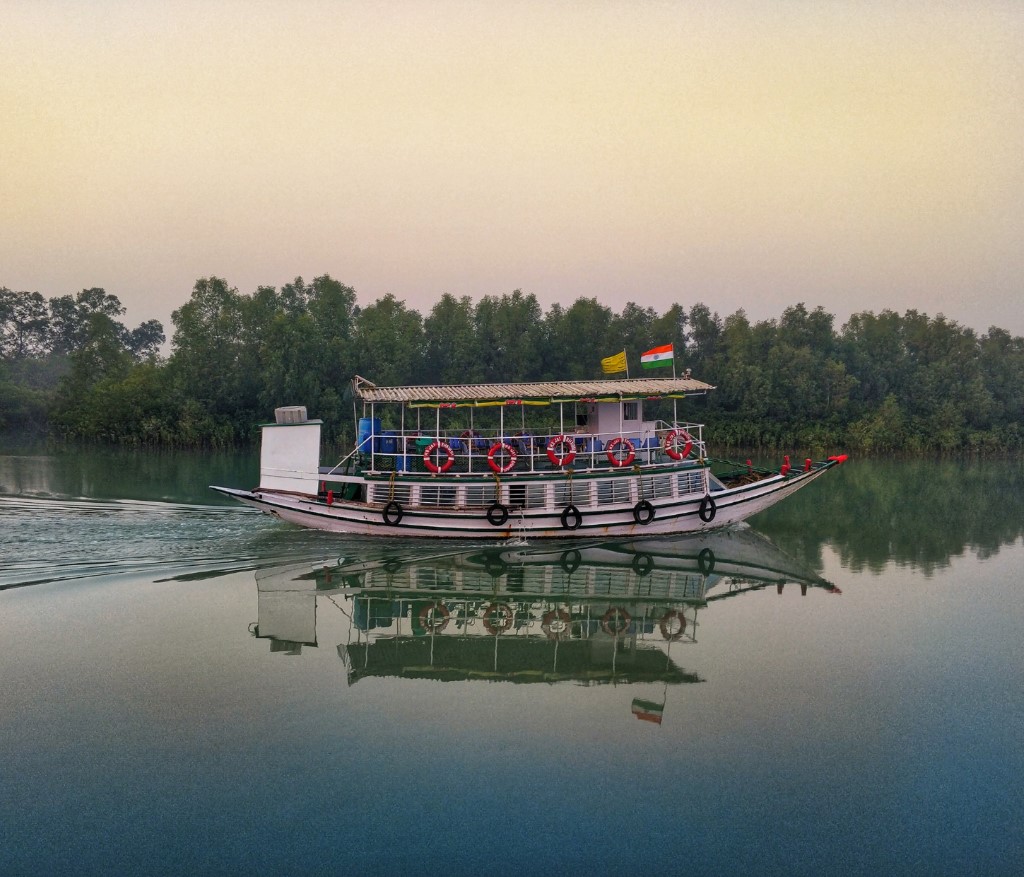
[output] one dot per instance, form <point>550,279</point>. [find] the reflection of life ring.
<point>497,514</point>
<point>434,616</point>
<point>444,448</point>
<point>615,621</point>
<point>497,618</point>
<point>611,449</point>
<point>643,512</point>
<point>507,449</point>
<point>392,513</point>
<point>669,630</point>
<point>561,450</point>
<point>642,564</point>
<point>672,447</point>
<point>571,560</point>
<point>707,509</point>
<point>571,517</point>
<point>555,624</point>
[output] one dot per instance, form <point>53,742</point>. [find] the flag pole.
<point>675,402</point>
<point>627,362</point>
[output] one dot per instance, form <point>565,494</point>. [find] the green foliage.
<point>884,383</point>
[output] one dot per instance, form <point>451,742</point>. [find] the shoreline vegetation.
<point>883,383</point>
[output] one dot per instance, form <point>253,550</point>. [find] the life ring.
<point>669,633</point>
<point>498,618</point>
<point>614,445</point>
<point>616,621</point>
<point>707,509</point>
<point>706,561</point>
<point>642,564</point>
<point>497,514</point>
<point>556,455</point>
<point>432,448</point>
<point>643,512</point>
<point>393,513</point>
<point>435,617</point>
<point>570,511</point>
<point>495,465</point>
<point>555,624</point>
<point>672,449</point>
<point>570,561</point>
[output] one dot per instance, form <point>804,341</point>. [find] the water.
<point>191,687</point>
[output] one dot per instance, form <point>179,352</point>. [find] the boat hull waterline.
<point>671,516</point>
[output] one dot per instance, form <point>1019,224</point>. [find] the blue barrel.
<point>389,444</point>
<point>368,426</point>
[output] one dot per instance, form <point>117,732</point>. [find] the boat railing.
<point>491,452</point>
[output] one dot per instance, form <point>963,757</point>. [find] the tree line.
<point>880,383</point>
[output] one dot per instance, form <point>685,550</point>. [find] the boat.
<point>590,613</point>
<point>544,460</point>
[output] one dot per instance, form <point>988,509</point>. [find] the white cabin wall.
<point>604,419</point>
<point>290,457</point>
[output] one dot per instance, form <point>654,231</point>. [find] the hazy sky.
<point>857,155</point>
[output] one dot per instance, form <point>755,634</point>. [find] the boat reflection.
<point>594,613</point>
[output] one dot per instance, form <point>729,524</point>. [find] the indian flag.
<point>657,357</point>
<point>648,710</point>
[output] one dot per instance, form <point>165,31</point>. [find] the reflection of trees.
<point>920,513</point>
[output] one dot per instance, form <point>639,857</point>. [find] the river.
<point>191,687</point>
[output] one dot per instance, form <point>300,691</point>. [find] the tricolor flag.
<point>657,357</point>
<point>611,365</point>
<point>648,710</point>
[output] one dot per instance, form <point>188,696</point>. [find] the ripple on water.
<point>55,539</point>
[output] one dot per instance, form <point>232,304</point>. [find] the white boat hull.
<point>672,515</point>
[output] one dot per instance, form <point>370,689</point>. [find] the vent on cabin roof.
<point>290,414</point>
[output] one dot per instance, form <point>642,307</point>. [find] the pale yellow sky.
<point>857,155</point>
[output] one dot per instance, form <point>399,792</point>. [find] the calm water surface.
<point>190,687</point>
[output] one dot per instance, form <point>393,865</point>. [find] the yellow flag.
<point>610,365</point>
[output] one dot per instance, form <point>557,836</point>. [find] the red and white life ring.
<point>614,445</point>
<point>555,624</point>
<point>435,617</point>
<point>433,448</point>
<point>498,618</point>
<point>616,621</point>
<point>672,448</point>
<point>561,450</point>
<point>497,467</point>
<point>672,625</point>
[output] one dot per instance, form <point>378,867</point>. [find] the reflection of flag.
<point>611,365</point>
<point>648,710</point>
<point>657,356</point>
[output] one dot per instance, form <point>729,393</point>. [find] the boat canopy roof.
<point>540,392</point>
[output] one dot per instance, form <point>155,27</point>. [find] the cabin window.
<point>612,490</point>
<point>563,494</point>
<point>479,496</point>
<point>690,482</point>
<point>402,494</point>
<point>656,488</point>
<point>581,418</point>
<point>527,496</point>
<point>437,496</point>
<point>630,411</point>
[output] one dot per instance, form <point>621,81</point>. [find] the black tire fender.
<point>393,514</point>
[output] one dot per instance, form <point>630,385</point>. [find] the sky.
<point>741,153</point>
